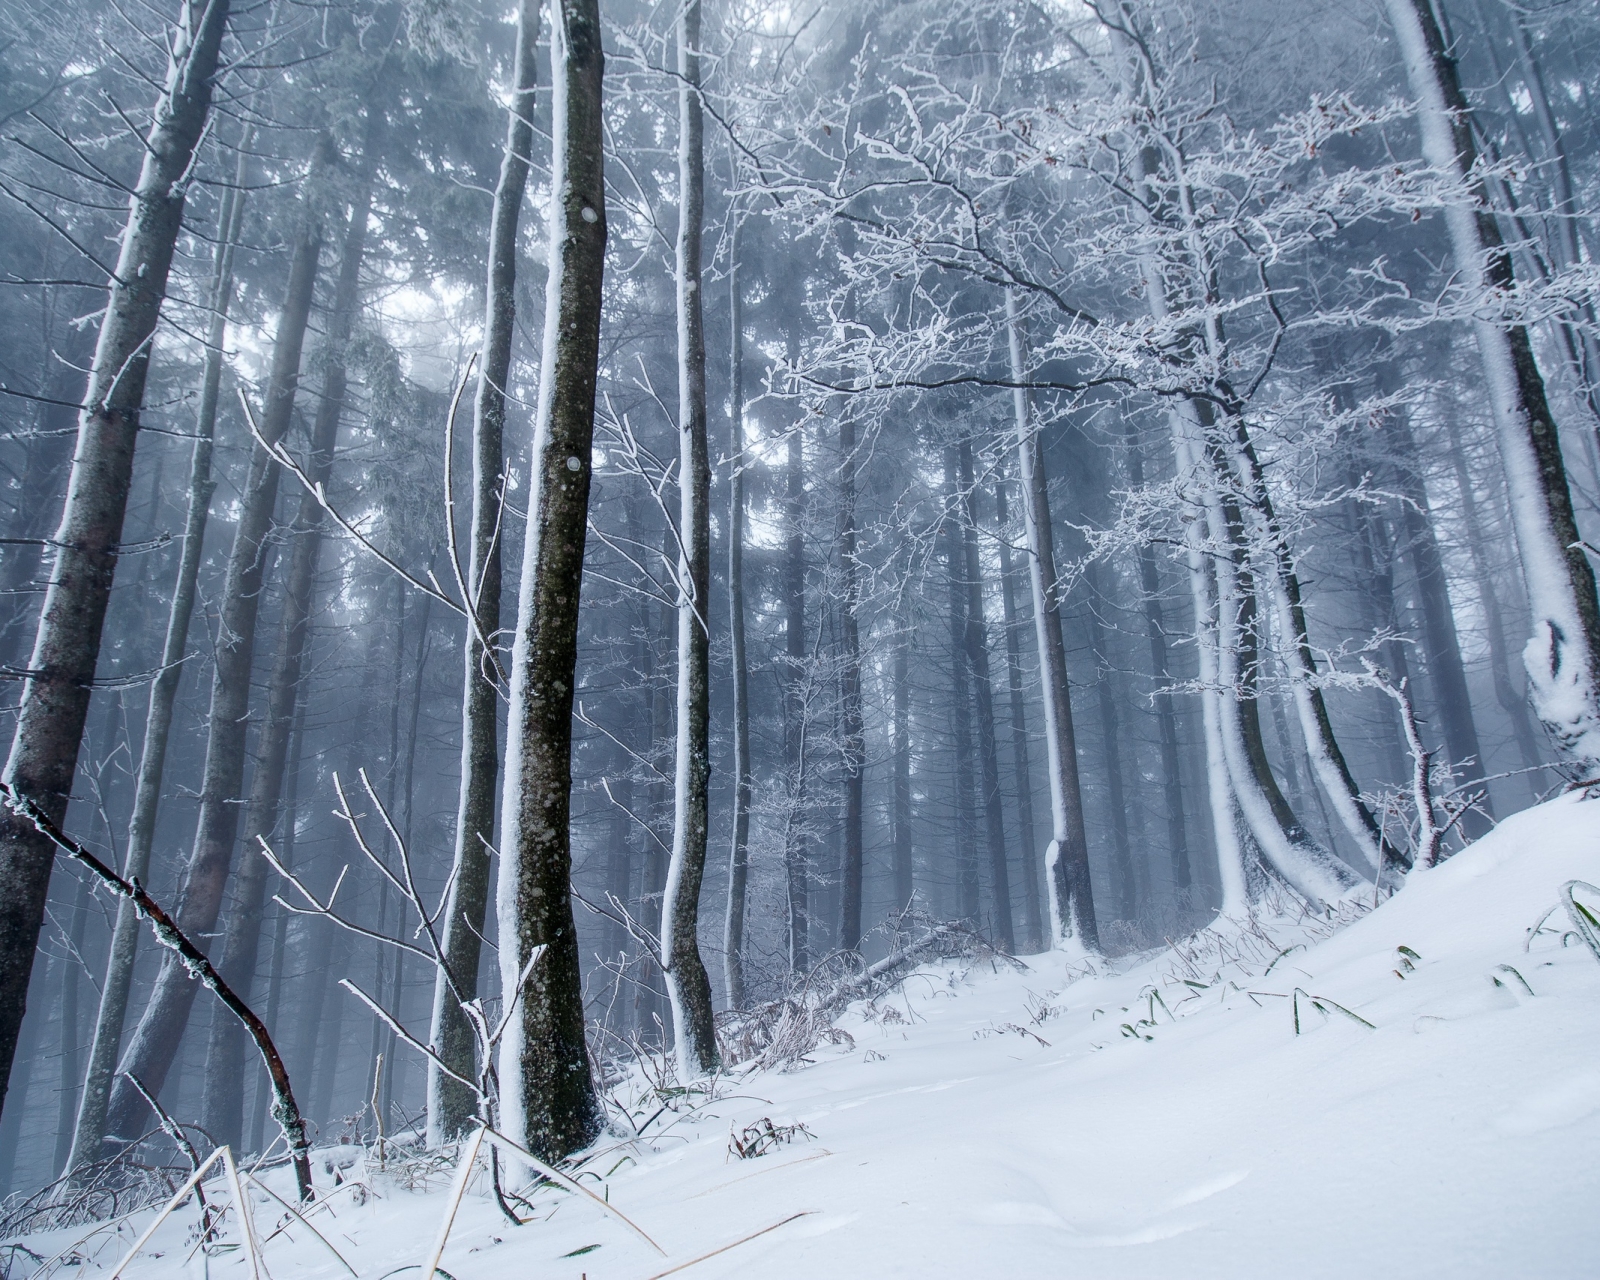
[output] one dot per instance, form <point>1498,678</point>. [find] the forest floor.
<point>1161,1118</point>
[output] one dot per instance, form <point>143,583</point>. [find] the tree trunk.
<point>977,645</point>
<point>739,854</point>
<point>1072,917</point>
<point>961,778</point>
<point>1022,764</point>
<point>55,697</point>
<point>547,1098</point>
<point>155,1040</point>
<point>89,1136</point>
<point>852,743</point>
<point>688,986</point>
<point>1563,655</point>
<point>451,1105</point>
<point>795,708</point>
<point>223,1101</point>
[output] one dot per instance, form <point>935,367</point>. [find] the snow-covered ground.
<point>987,1122</point>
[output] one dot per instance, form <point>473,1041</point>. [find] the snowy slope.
<point>1458,1137</point>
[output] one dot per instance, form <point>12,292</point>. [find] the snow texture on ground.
<point>987,1122</point>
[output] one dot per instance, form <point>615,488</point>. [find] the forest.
<point>545,542</point>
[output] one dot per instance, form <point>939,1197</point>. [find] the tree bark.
<point>1563,656</point>
<point>547,1098</point>
<point>155,1040</point>
<point>688,986</point>
<point>223,1100</point>
<point>55,696</point>
<point>1073,925</point>
<point>451,1104</point>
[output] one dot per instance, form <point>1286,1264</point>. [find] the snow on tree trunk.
<point>547,1098</point>
<point>1563,655</point>
<point>688,987</point>
<point>451,1105</point>
<point>1073,926</point>
<point>55,696</point>
<point>90,1131</point>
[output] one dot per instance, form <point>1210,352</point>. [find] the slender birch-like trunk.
<point>1073,925</point>
<point>688,986</point>
<point>1563,655</point>
<point>222,1103</point>
<point>547,1097</point>
<point>739,854</point>
<point>155,1040</point>
<point>451,1105</point>
<point>55,696</point>
<point>90,1130</point>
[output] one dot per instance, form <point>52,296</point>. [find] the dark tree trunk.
<point>451,1104</point>
<point>1111,747</point>
<point>55,697</point>
<point>547,1098</point>
<point>156,1039</point>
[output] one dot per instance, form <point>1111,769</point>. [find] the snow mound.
<point>1436,1113</point>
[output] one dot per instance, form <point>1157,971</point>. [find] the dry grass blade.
<point>684,1266</point>
<point>178,1198</point>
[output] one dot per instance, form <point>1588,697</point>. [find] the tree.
<point>55,696</point>
<point>547,1099</point>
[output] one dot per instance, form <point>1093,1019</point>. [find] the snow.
<point>1001,1123</point>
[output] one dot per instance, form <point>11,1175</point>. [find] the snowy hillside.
<point>1161,1120</point>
